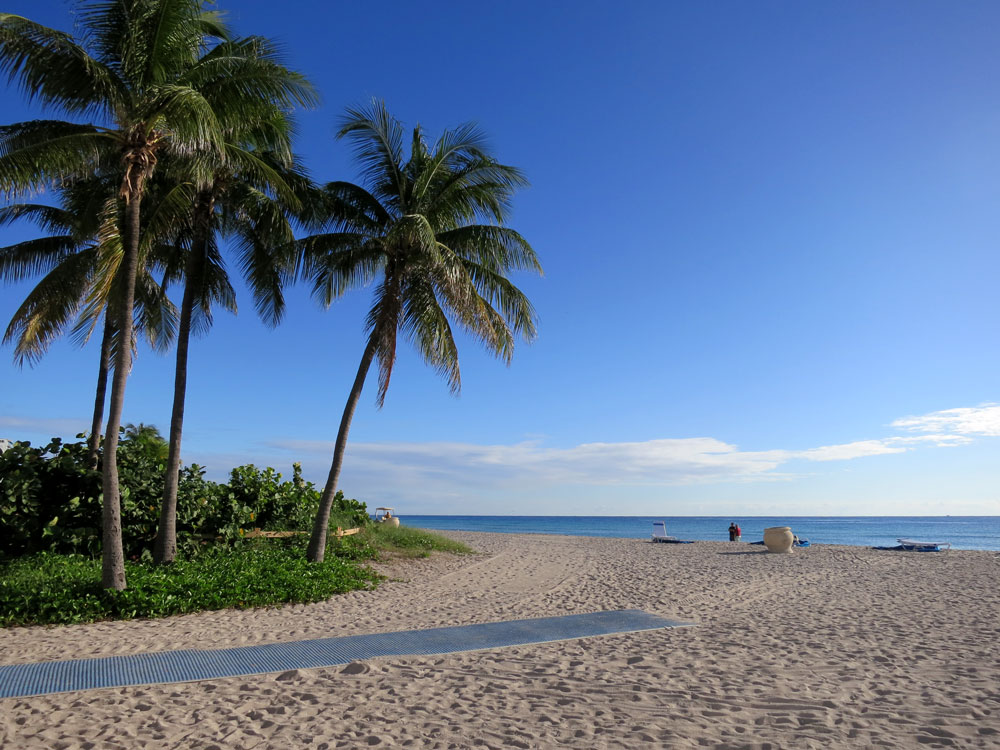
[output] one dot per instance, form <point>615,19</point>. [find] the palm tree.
<point>79,256</point>
<point>240,192</point>
<point>148,438</point>
<point>134,70</point>
<point>432,230</point>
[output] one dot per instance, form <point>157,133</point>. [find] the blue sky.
<point>769,233</point>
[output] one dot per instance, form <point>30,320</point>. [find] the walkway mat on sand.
<point>21,680</point>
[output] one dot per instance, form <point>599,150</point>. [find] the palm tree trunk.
<point>94,444</point>
<point>317,542</point>
<point>113,556</point>
<point>165,547</point>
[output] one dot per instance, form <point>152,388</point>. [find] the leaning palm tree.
<point>133,71</point>
<point>432,230</point>
<point>242,192</point>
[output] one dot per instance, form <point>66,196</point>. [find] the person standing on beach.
<point>739,533</point>
<point>732,532</point>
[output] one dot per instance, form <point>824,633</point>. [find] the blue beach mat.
<point>22,680</point>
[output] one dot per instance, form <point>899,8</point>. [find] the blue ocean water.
<point>963,532</point>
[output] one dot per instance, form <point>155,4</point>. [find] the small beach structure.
<point>384,515</point>
<point>779,539</point>
<point>660,534</point>
<point>912,545</point>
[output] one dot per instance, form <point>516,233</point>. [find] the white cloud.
<point>652,462</point>
<point>848,451</point>
<point>982,420</point>
<point>863,448</point>
<point>667,461</point>
<point>450,468</point>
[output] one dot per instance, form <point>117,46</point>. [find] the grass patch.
<point>58,589</point>
<point>48,588</point>
<point>406,541</point>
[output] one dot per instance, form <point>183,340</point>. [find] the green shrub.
<point>272,504</point>
<point>51,500</point>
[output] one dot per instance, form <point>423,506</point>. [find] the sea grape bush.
<point>50,500</point>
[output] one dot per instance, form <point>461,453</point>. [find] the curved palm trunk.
<point>94,443</point>
<point>165,547</point>
<point>317,542</point>
<point>113,557</point>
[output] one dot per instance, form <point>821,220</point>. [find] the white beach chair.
<point>660,533</point>
<point>914,545</point>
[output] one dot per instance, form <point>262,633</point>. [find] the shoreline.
<point>830,646</point>
<point>825,530</point>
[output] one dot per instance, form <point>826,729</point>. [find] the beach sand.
<point>828,647</point>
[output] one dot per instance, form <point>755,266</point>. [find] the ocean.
<point>962,532</point>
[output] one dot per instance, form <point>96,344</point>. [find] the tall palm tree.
<point>133,71</point>
<point>79,255</point>
<point>432,230</point>
<point>242,192</point>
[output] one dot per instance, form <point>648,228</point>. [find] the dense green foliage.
<point>47,588</point>
<point>50,500</point>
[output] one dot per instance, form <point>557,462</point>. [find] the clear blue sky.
<point>770,236</point>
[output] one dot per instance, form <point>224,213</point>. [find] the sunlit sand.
<point>826,647</point>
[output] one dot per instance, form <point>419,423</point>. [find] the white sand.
<point>832,647</point>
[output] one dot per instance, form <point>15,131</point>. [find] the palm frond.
<point>32,257</point>
<point>211,287</point>
<point>500,248</point>
<point>338,261</point>
<point>413,235</point>
<point>497,291</point>
<point>383,322</point>
<point>352,208</point>
<point>47,309</point>
<point>241,74</point>
<point>39,152</point>
<point>156,316</point>
<point>188,115</point>
<point>426,325</point>
<point>480,189</point>
<point>52,68</point>
<point>451,153</point>
<point>377,138</point>
<point>266,251</point>
<point>51,219</point>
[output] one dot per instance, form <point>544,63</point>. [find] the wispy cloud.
<point>675,461</point>
<point>653,462</point>
<point>982,420</point>
<point>863,448</point>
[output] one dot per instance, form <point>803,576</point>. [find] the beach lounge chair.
<point>912,545</point>
<point>660,534</point>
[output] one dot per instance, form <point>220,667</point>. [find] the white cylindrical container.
<point>778,539</point>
